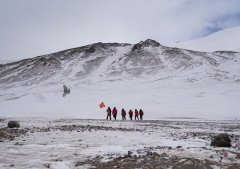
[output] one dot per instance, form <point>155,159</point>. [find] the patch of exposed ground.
<point>75,143</point>
<point>154,161</point>
<point>10,134</point>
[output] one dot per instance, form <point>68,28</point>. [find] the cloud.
<point>29,27</point>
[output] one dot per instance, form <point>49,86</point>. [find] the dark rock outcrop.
<point>146,43</point>
<point>221,140</point>
<point>13,124</point>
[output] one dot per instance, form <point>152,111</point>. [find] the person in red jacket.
<point>114,112</point>
<point>109,113</point>
<point>136,114</point>
<point>130,114</point>
<point>123,114</point>
<point>141,114</point>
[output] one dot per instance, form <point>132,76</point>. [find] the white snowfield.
<point>164,82</point>
<point>227,39</point>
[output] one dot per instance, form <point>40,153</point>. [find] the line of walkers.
<point>114,113</point>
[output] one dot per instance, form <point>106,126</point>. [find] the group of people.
<point>123,113</point>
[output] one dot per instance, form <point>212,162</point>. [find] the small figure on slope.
<point>65,90</point>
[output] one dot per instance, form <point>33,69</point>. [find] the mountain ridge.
<point>145,58</point>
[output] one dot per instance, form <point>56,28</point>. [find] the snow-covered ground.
<point>159,99</point>
<point>203,92</point>
<point>227,39</point>
<point>67,143</point>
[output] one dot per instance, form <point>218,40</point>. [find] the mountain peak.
<point>104,46</point>
<point>151,42</point>
<point>146,43</point>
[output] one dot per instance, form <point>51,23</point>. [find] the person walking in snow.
<point>141,114</point>
<point>109,113</point>
<point>136,114</point>
<point>123,114</point>
<point>114,112</point>
<point>130,114</point>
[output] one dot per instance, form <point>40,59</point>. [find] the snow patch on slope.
<point>228,39</point>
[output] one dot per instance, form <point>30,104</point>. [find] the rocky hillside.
<point>115,61</point>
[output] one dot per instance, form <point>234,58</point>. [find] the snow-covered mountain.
<point>108,61</point>
<point>227,40</point>
<point>164,81</point>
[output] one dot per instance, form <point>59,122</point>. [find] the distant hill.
<point>227,39</point>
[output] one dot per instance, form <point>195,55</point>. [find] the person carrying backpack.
<point>141,114</point>
<point>123,114</point>
<point>136,114</point>
<point>130,114</point>
<point>109,113</point>
<point>114,112</point>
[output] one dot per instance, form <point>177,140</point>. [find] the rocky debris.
<point>179,147</point>
<point>47,165</point>
<point>96,47</point>
<point>130,153</point>
<point>83,128</point>
<point>221,140</point>
<point>13,124</point>
<point>39,129</point>
<point>48,61</point>
<point>149,153</point>
<point>10,133</point>
<point>225,52</point>
<point>146,43</point>
<point>101,47</point>
<point>5,135</point>
<point>153,161</point>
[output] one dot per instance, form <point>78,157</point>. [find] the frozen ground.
<point>158,99</point>
<point>75,143</point>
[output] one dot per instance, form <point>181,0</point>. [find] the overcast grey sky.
<point>34,27</point>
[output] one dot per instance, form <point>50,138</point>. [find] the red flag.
<point>101,105</point>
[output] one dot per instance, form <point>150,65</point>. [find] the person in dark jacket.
<point>136,114</point>
<point>130,114</point>
<point>109,113</point>
<point>114,112</point>
<point>141,114</point>
<point>123,114</point>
